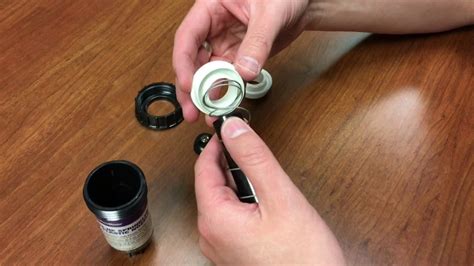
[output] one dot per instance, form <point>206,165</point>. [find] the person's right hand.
<point>283,228</point>
<point>243,32</point>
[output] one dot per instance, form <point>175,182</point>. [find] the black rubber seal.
<point>157,92</point>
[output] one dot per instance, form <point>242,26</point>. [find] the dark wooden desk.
<point>377,131</point>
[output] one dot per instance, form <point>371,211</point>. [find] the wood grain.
<point>377,131</point>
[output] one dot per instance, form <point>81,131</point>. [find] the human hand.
<point>244,32</point>
<point>282,228</point>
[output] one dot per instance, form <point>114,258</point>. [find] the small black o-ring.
<point>155,92</point>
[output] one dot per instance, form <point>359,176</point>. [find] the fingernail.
<point>234,127</point>
<point>249,63</point>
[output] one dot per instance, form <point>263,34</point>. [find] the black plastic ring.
<point>156,92</point>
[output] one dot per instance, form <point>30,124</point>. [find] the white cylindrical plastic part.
<point>262,86</point>
<point>204,80</point>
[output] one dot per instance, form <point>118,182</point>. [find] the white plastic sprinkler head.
<point>211,76</point>
<point>221,74</point>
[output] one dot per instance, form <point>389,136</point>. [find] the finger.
<point>190,112</point>
<point>210,178</point>
<point>206,248</point>
<point>256,46</point>
<point>270,182</point>
<point>203,56</point>
<point>189,37</point>
<point>210,120</point>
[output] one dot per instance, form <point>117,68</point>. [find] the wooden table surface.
<point>377,131</point>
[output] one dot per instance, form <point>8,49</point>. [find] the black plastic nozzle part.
<point>245,190</point>
<point>200,142</point>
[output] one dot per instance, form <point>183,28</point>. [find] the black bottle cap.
<point>155,92</point>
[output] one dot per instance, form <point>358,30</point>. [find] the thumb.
<point>257,162</point>
<point>256,45</point>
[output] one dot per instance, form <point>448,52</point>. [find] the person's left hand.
<point>243,32</point>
